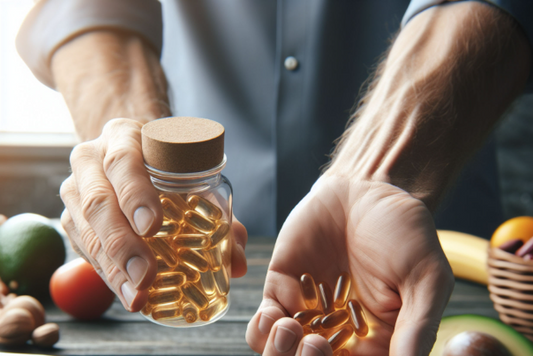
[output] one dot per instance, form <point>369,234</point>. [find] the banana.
<point>467,255</point>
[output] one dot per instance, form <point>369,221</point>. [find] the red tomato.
<point>78,290</point>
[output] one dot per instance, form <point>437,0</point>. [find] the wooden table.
<point>122,333</point>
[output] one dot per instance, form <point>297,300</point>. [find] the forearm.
<point>108,74</point>
<point>450,75</point>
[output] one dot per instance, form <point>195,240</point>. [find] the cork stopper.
<point>183,144</point>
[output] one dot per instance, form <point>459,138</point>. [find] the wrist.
<point>108,74</point>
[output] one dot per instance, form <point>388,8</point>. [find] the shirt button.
<point>291,63</point>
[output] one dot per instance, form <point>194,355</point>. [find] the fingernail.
<point>143,218</point>
<point>284,339</point>
<point>129,292</point>
<point>137,268</point>
<point>265,324</point>
<point>311,350</point>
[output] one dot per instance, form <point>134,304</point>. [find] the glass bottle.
<point>184,157</point>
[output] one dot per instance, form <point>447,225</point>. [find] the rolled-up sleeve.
<point>51,23</point>
<point>520,10</point>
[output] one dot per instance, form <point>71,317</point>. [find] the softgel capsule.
<point>331,314</point>
<point>184,157</point>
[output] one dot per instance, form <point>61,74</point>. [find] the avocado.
<point>31,249</point>
<point>482,335</point>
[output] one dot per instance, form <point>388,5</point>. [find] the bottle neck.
<point>186,182</point>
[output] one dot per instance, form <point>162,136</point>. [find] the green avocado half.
<point>516,343</point>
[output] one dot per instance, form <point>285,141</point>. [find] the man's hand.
<point>111,202</point>
<point>386,240</point>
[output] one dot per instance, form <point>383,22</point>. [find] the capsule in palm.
<point>335,319</point>
<point>214,308</point>
<point>341,337</point>
<point>207,281</point>
<point>308,288</point>
<point>222,230</point>
<point>190,312</point>
<point>166,311</point>
<point>222,281</point>
<point>195,295</point>
<point>326,298</point>
<point>169,279</point>
<point>204,207</point>
<point>198,221</point>
<point>163,249</point>
<point>193,259</point>
<point>164,296</point>
<point>193,241</point>
<point>357,316</point>
<point>304,317</point>
<point>171,210</point>
<point>342,289</point>
<point>214,258</point>
<point>191,275</point>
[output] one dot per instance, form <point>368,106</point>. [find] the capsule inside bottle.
<point>190,312</point>
<point>222,230</point>
<point>193,241</point>
<point>195,295</point>
<point>169,279</point>
<point>308,288</point>
<point>163,249</point>
<point>214,308</point>
<point>164,296</point>
<point>222,281</point>
<point>342,289</point>
<point>198,221</point>
<point>166,311</point>
<point>169,228</point>
<point>208,282</point>
<point>214,258</point>
<point>191,275</point>
<point>171,210</point>
<point>193,259</point>
<point>204,207</point>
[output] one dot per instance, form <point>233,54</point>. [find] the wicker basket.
<point>511,289</point>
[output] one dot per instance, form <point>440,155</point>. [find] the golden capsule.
<point>164,296</point>
<point>214,308</point>
<point>308,288</point>
<point>326,298</point>
<point>341,337</point>
<point>191,275</point>
<point>334,319</point>
<point>166,311</point>
<point>342,352</point>
<point>163,249</point>
<point>178,201</point>
<point>342,289</point>
<point>188,229</point>
<point>169,279</point>
<point>205,207</point>
<point>222,230</point>
<point>190,312</point>
<point>222,281</point>
<point>198,221</point>
<point>214,258</point>
<point>195,295</point>
<point>193,259</point>
<point>307,330</point>
<point>161,265</point>
<point>304,317</point>
<point>357,316</point>
<point>207,281</point>
<point>316,325</point>
<point>168,228</point>
<point>147,309</point>
<point>194,241</point>
<point>171,210</point>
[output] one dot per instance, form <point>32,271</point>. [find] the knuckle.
<point>91,242</point>
<point>119,124</point>
<point>95,200</point>
<point>67,188</point>
<point>113,158</point>
<point>114,244</point>
<point>82,152</point>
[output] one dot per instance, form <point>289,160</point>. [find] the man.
<point>279,75</point>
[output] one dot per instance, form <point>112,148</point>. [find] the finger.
<point>424,298</point>
<point>238,257</point>
<point>87,243</point>
<point>123,165</point>
<point>261,324</point>
<point>314,345</point>
<point>100,208</point>
<point>284,338</point>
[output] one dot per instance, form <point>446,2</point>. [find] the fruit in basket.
<point>78,290</point>
<point>520,228</point>
<point>476,335</point>
<point>31,249</point>
<point>467,255</point>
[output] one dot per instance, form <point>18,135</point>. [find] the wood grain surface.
<point>122,333</point>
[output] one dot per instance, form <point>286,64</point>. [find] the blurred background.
<point>37,135</point>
